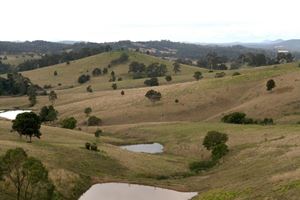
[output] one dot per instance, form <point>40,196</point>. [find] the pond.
<point>11,114</point>
<point>145,148</point>
<point>124,191</point>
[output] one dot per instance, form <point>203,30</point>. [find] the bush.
<point>88,146</point>
<point>201,165</point>
<point>214,138</point>
<point>98,133</point>
<point>219,151</point>
<point>270,85</point>
<point>48,114</point>
<point>153,95</point>
<point>236,74</point>
<point>114,86</point>
<point>267,121</point>
<point>83,78</point>
<point>55,73</point>
<point>168,78</point>
<point>176,101</point>
<point>235,118</point>
<point>89,89</point>
<point>151,82</point>
<point>220,75</point>
<point>122,92</point>
<point>94,121</point>
<point>88,111</point>
<point>69,123</point>
<point>94,147</point>
<point>120,79</point>
<point>198,75</point>
<point>97,72</point>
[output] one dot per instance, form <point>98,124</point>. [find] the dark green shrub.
<point>151,82</point>
<point>98,133</point>
<point>198,75</point>
<point>220,75</point>
<point>88,146</point>
<point>270,84</point>
<point>168,78</point>
<point>83,78</point>
<point>114,86</point>
<point>219,151</point>
<point>94,121</point>
<point>94,147</point>
<point>201,165</point>
<point>153,95</point>
<point>267,121</point>
<point>69,123</point>
<point>214,138</point>
<point>48,114</point>
<point>235,118</point>
<point>236,74</point>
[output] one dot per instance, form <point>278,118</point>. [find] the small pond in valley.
<point>11,114</point>
<point>145,148</point>
<point>124,191</point>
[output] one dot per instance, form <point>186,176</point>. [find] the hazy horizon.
<point>194,21</point>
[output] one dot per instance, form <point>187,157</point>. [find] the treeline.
<point>53,59</point>
<point>16,84</point>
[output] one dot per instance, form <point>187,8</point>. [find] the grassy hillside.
<point>17,59</point>
<point>68,74</point>
<point>263,162</point>
<point>261,159</point>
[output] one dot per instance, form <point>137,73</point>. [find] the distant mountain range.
<point>163,48</point>
<point>290,45</point>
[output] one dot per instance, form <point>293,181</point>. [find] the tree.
<point>97,72</point>
<point>94,121</point>
<point>83,78</point>
<point>27,124</point>
<point>55,73</point>
<point>136,67</point>
<point>114,86</point>
<point>151,82</point>
<point>270,85</point>
<point>176,67</point>
<point>52,97</point>
<point>156,70</point>
<point>214,138</point>
<point>88,111</point>
<point>122,93</point>
<point>198,75</point>
<point>219,151</point>
<point>31,92</point>
<point>168,78</point>
<point>27,176</point>
<point>153,95</point>
<point>89,89</point>
<point>98,133</point>
<point>69,123</point>
<point>105,71</point>
<point>48,114</point>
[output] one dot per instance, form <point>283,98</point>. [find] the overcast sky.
<point>140,20</point>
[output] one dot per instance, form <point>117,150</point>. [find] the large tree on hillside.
<point>176,67</point>
<point>52,97</point>
<point>27,124</point>
<point>27,176</point>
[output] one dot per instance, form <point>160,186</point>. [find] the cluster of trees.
<point>92,147</point>
<point>216,143</point>
<point>122,59</point>
<point>52,59</point>
<point>48,114</point>
<point>16,84</point>
<point>241,118</point>
<point>139,70</point>
<point>5,68</point>
<point>84,78</point>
